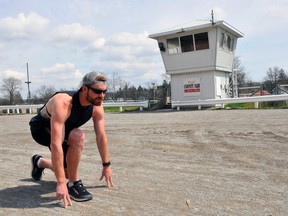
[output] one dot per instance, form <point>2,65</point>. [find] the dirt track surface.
<point>221,162</point>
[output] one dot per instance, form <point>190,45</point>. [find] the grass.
<point>124,109</point>
<point>251,105</point>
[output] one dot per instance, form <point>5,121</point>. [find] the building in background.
<point>199,59</point>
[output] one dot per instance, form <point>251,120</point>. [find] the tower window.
<point>187,43</point>
<point>201,41</point>
<point>227,42</point>
<point>222,40</point>
<point>173,45</point>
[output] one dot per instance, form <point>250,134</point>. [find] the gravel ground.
<point>204,162</point>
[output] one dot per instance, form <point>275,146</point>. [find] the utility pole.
<point>28,83</point>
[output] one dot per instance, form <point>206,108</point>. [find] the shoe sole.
<point>80,200</point>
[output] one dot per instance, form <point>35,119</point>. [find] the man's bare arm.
<point>102,143</point>
<point>60,107</point>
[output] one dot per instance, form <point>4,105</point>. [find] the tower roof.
<point>198,25</point>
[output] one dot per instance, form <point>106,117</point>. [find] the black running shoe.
<point>36,171</point>
<point>78,192</point>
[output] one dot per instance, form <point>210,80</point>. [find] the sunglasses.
<point>96,91</point>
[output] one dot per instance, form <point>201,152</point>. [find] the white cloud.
<point>22,26</point>
<point>99,43</point>
<point>75,34</point>
<point>95,46</point>
<point>127,46</point>
<point>78,75</point>
<point>59,68</point>
<point>13,73</point>
<point>61,76</point>
<point>126,38</point>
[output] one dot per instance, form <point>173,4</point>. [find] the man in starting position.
<point>57,126</point>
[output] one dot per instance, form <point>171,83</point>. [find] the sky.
<point>62,40</point>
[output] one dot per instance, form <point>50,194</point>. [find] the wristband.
<point>106,164</point>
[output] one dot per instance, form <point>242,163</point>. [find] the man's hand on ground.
<point>62,193</point>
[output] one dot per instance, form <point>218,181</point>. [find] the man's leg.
<point>45,163</point>
<point>39,164</point>
<point>76,142</point>
<point>42,136</point>
<point>76,189</point>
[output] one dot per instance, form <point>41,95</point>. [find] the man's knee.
<point>76,138</point>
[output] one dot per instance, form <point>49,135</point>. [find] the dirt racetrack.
<point>207,162</point>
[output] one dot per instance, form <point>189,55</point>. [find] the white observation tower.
<point>199,59</point>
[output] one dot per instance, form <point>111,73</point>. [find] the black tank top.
<point>79,115</point>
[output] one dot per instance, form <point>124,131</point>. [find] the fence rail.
<point>141,104</point>
<point>222,102</point>
<point>31,107</point>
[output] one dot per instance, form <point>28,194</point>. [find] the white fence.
<point>222,102</point>
<point>144,104</point>
<point>30,107</point>
<point>141,104</point>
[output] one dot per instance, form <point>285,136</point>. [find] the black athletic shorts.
<point>40,131</point>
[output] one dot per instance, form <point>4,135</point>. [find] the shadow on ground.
<point>29,196</point>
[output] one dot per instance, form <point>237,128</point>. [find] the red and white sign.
<point>192,87</point>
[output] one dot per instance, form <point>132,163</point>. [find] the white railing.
<point>141,104</point>
<point>222,102</point>
<point>18,108</point>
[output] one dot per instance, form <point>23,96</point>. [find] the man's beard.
<point>96,102</point>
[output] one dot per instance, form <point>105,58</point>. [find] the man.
<point>57,126</point>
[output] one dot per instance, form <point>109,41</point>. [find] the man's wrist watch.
<point>106,164</point>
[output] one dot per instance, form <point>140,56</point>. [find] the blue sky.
<point>62,40</point>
